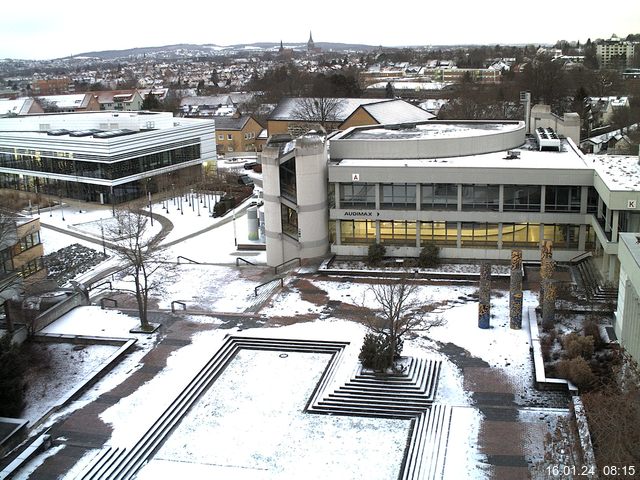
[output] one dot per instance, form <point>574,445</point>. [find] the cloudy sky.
<point>41,29</point>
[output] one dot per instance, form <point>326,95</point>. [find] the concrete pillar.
<point>338,233</point>
<point>515,290</point>
<point>501,198</point>
<point>615,218</point>
<point>613,267</point>
<point>607,221</point>
<point>484,297</point>
<point>582,238</point>
<point>547,268</point>
<point>543,197</point>
<point>584,198</point>
<point>459,197</point>
<point>378,187</point>
<point>336,193</point>
<point>500,235</point>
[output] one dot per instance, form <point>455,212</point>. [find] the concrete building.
<point>568,125</point>
<point>79,102</point>
<point>627,324</point>
<point>237,134</point>
<point>615,53</point>
<point>19,106</point>
<point>120,100</point>
<point>106,157</point>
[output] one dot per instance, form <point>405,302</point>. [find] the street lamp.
<point>104,248</point>
<point>235,238</point>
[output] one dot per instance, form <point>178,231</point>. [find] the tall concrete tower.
<point>294,178</point>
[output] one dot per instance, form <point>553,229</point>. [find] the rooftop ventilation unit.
<point>547,139</point>
<point>57,132</point>
<point>114,133</point>
<point>512,154</point>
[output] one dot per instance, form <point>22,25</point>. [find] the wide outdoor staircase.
<point>408,396</point>
<point>395,395</point>
<point>594,286</point>
<point>122,462</point>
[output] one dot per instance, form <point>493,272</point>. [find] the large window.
<point>288,179</point>
<point>398,233</point>
<point>358,195</point>
<point>399,196</point>
<point>520,235</point>
<point>562,199</point>
<point>480,197</point>
<point>289,221</point>
<point>479,235</point>
<point>357,231</point>
<point>522,198</point>
<point>563,236</point>
<point>592,200</point>
<point>439,196</point>
<point>440,233</point>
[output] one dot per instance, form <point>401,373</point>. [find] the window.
<point>480,197</point>
<point>357,195</point>
<point>28,241</point>
<point>439,196</point>
<point>31,267</point>
<point>563,236</point>
<point>479,235</point>
<point>521,198</point>
<point>520,235</point>
<point>221,137</point>
<point>229,136</point>
<point>357,231</point>
<point>229,148</point>
<point>289,221</point>
<point>288,180</point>
<point>399,196</point>
<point>562,199</point>
<point>592,200</point>
<point>440,233</point>
<point>398,233</point>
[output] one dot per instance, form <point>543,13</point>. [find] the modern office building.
<point>106,157</point>
<point>476,188</point>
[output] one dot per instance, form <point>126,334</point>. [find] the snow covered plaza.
<point>199,399</point>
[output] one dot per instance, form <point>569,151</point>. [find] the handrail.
<point>581,256</point>
<point>238,259</point>
<point>255,290</point>
<point>288,261</point>
<point>108,282</point>
<point>187,259</point>
<point>107,299</point>
<point>173,308</point>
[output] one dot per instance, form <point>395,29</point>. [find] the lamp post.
<point>104,248</point>
<point>61,208</point>
<point>235,238</point>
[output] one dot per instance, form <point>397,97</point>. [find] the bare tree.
<point>396,310</point>
<point>321,110</point>
<point>137,247</point>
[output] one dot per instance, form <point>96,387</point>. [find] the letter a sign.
<point>355,177</point>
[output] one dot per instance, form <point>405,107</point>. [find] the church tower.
<point>310,45</point>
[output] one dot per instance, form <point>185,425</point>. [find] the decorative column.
<point>484,305</point>
<point>515,290</point>
<point>547,286</point>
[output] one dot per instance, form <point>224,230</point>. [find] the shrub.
<point>375,254</point>
<point>375,352</point>
<point>11,379</point>
<point>429,255</point>
<point>591,329</point>
<point>576,345</point>
<point>578,371</point>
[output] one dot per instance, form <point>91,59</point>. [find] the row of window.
<point>31,267</point>
<point>444,196</point>
<point>486,235</point>
<point>109,171</point>
<point>27,242</point>
<point>247,136</point>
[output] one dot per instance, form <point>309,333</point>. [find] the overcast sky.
<point>42,29</point>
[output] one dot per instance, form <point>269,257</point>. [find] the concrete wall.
<point>568,125</point>
<point>627,324</point>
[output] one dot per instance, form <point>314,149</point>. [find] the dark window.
<point>288,180</point>
<point>399,196</point>
<point>439,196</point>
<point>289,221</point>
<point>562,199</point>
<point>357,195</point>
<point>480,197</point>
<point>522,198</point>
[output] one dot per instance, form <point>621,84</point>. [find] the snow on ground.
<point>95,322</point>
<point>55,370</point>
<point>258,424</point>
<point>52,241</point>
<point>209,287</point>
<point>26,472</point>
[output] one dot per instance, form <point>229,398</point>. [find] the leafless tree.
<point>397,308</point>
<point>321,110</point>
<point>137,247</point>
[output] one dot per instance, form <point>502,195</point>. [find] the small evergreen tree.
<point>375,254</point>
<point>151,102</point>
<point>429,256</point>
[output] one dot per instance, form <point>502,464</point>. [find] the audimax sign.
<point>361,213</point>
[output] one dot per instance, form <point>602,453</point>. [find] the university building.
<point>106,157</point>
<point>477,189</point>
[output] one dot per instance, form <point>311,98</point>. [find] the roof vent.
<point>512,154</point>
<point>547,139</point>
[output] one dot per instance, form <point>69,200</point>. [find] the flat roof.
<point>618,172</point>
<point>529,157</point>
<point>435,129</point>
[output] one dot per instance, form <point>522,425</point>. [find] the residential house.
<point>79,102</point>
<point>236,134</point>
<point>124,100</point>
<point>385,112</point>
<point>19,106</point>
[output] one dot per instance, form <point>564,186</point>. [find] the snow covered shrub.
<point>375,353</point>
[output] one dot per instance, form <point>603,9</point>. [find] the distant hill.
<point>189,49</point>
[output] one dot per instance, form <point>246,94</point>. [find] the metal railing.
<point>298,259</point>
<point>178,302</point>
<point>240,259</point>
<point>93,287</point>
<point>280,279</point>
<point>187,259</point>
<point>582,256</point>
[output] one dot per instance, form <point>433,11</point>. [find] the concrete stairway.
<point>592,282</point>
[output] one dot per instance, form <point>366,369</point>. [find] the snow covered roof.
<point>396,111</point>
<point>79,100</point>
<point>605,137</point>
<point>231,123</point>
<point>115,95</point>
<point>618,172</point>
<point>452,129</point>
<point>286,108</point>
<point>19,106</point>
<point>214,100</point>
